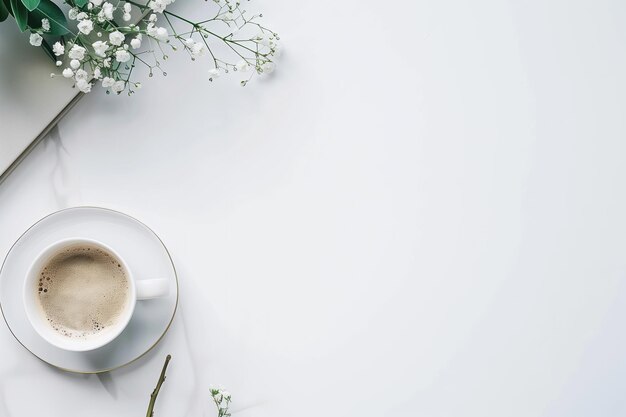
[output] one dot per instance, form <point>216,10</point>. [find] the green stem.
<point>153,396</point>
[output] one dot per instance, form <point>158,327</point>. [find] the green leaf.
<point>4,12</point>
<point>80,3</point>
<point>7,5</point>
<point>48,10</point>
<point>20,12</point>
<point>30,4</point>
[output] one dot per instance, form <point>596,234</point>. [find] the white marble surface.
<point>420,214</point>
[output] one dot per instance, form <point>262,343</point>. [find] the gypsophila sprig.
<point>101,43</point>
<point>221,399</point>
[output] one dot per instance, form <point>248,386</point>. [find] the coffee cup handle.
<point>152,288</point>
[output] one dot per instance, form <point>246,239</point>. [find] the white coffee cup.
<point>143,289</point>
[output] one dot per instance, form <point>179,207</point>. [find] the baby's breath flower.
<point>107,9</point>
<point>127,9</point>
<point>268,67</point>
<point>214,73</point>
<point>100,51</point>
<point>161,34</point>
<point>100,48</point>
<point>85,26</point>
<point>116,38</point>
<point>242,66</point>
<point>118,87</point>
<point>58,48</point>
<point>122,55</point>
<point>77,52</point>
<point>45,25</point>
<point>83,85</point>
<point>197,49</point>
<point>80,74</point>
<point>151,30</point>
<point>35,39</point>
<point>107,82</point>
<point>158,6</point>
<point>135,43</point>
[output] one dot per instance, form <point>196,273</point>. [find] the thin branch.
<point>153,396</point>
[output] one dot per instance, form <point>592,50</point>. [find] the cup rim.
<point>35,321</point>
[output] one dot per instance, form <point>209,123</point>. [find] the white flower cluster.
<point>90,62</point>
<point>35,38</point>
<point>101,50</point>
<point>158,6</point>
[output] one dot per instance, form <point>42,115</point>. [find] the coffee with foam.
<point>83,291</point>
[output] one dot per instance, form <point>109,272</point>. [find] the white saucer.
<point>135,242</point>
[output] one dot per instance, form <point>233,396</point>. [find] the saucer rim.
<point>132,360</point>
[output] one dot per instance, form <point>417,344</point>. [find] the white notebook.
<point>30,102</point>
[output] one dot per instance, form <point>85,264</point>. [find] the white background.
<point>420,214</point>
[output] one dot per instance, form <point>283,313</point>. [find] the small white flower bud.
<point>242,66</point>
<point>268,67</point>
<point>214,73</point>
